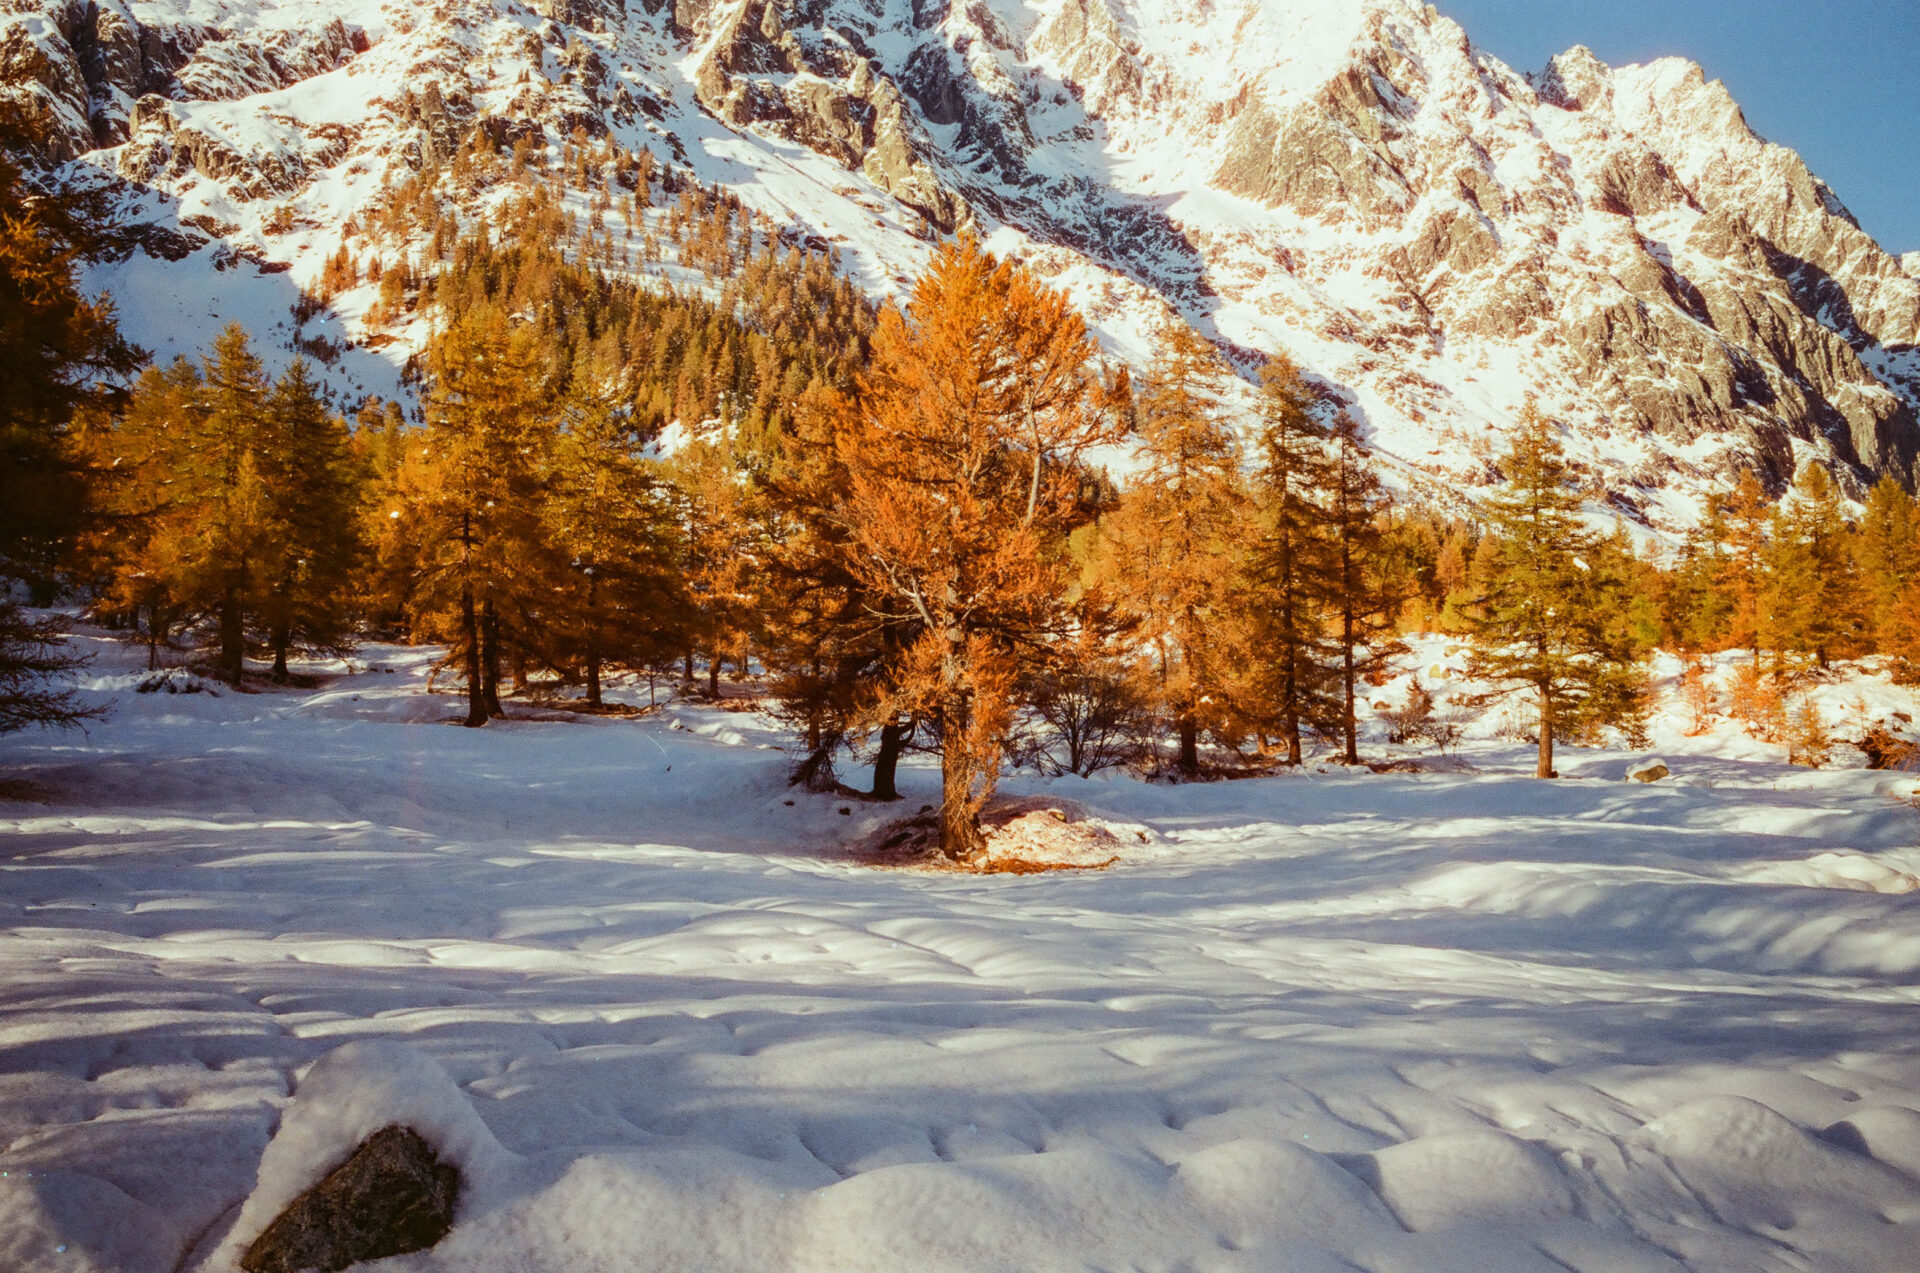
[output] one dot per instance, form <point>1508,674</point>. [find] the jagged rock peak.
<point>1575,80</point>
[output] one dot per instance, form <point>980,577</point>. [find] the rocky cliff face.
<point>1435,236</point>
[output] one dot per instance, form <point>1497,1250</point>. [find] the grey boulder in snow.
<point>394,1195</point>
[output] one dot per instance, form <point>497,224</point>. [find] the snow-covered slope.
<point>1436,237</point>
<point>1407,1023</point>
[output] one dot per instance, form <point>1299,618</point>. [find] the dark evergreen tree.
<point>312,552</point>
<point>61,353</point>
<point>1550,620</point>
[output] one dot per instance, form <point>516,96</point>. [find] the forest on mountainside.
<point>896,518</point>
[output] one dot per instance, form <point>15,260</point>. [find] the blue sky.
<point>1836,80</point>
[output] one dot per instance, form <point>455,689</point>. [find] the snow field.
<point>1402,1023</point>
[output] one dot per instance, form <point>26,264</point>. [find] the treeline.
<point>900,516</point>
<point>524,523</point>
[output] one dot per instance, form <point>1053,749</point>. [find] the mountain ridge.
<point>1435,237</point>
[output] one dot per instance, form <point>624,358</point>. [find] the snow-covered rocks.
<point>353,1098</point>
<point>1652,770</point>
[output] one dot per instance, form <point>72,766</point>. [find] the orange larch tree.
<point>962,451</point>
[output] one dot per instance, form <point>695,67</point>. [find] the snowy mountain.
<point>1431,234</point>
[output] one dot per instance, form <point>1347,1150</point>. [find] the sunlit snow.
<point>1456,1020</point>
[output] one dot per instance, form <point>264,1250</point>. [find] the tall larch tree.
<point>63,357</point>
<point>1549,619</point>
<point>234,515</point>
<point>1814,598</point>
<point>1356,590</point>
<point>476,518</point>
<point>1286,562</point>
<point>721,528</point>
<point>940,513</point>
<point>138,556</point>
<point>61,354</point>
<point>1887,547</point>
<point>1745,516</point>
<point>828,634</point>
<point>610,518</point>
<point>1168,554</point>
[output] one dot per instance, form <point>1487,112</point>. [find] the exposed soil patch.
<point>581,707</point>
<point>26,791</point>
<point>1026,836</point>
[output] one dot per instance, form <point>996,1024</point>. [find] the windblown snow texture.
<point>1397,1022</point>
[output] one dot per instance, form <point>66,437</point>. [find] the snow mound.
<point>68,1221</point>
<point>397,707</point>
<point>1837,869</point>
<point>349,1094</point>
<point>1888,1133</point>
<point>1437,1182</point>
<point>1757,1171</point>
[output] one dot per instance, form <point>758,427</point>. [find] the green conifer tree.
<point>1549,618</point>
<point>312,551</point>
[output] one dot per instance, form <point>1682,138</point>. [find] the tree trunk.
<point>713,676</point>
<point>813,723</point>
<point>1352,725</point>
<point>961,838</point>
<point>1545,767</point>
<point>1290,713</point>
<point>1189,745</point>
<point>282,638</point>
<point>689,675</point>
<point>886,765</point>
<point>470,635</point>
<point>232,637</point>
<point>490,658</point>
